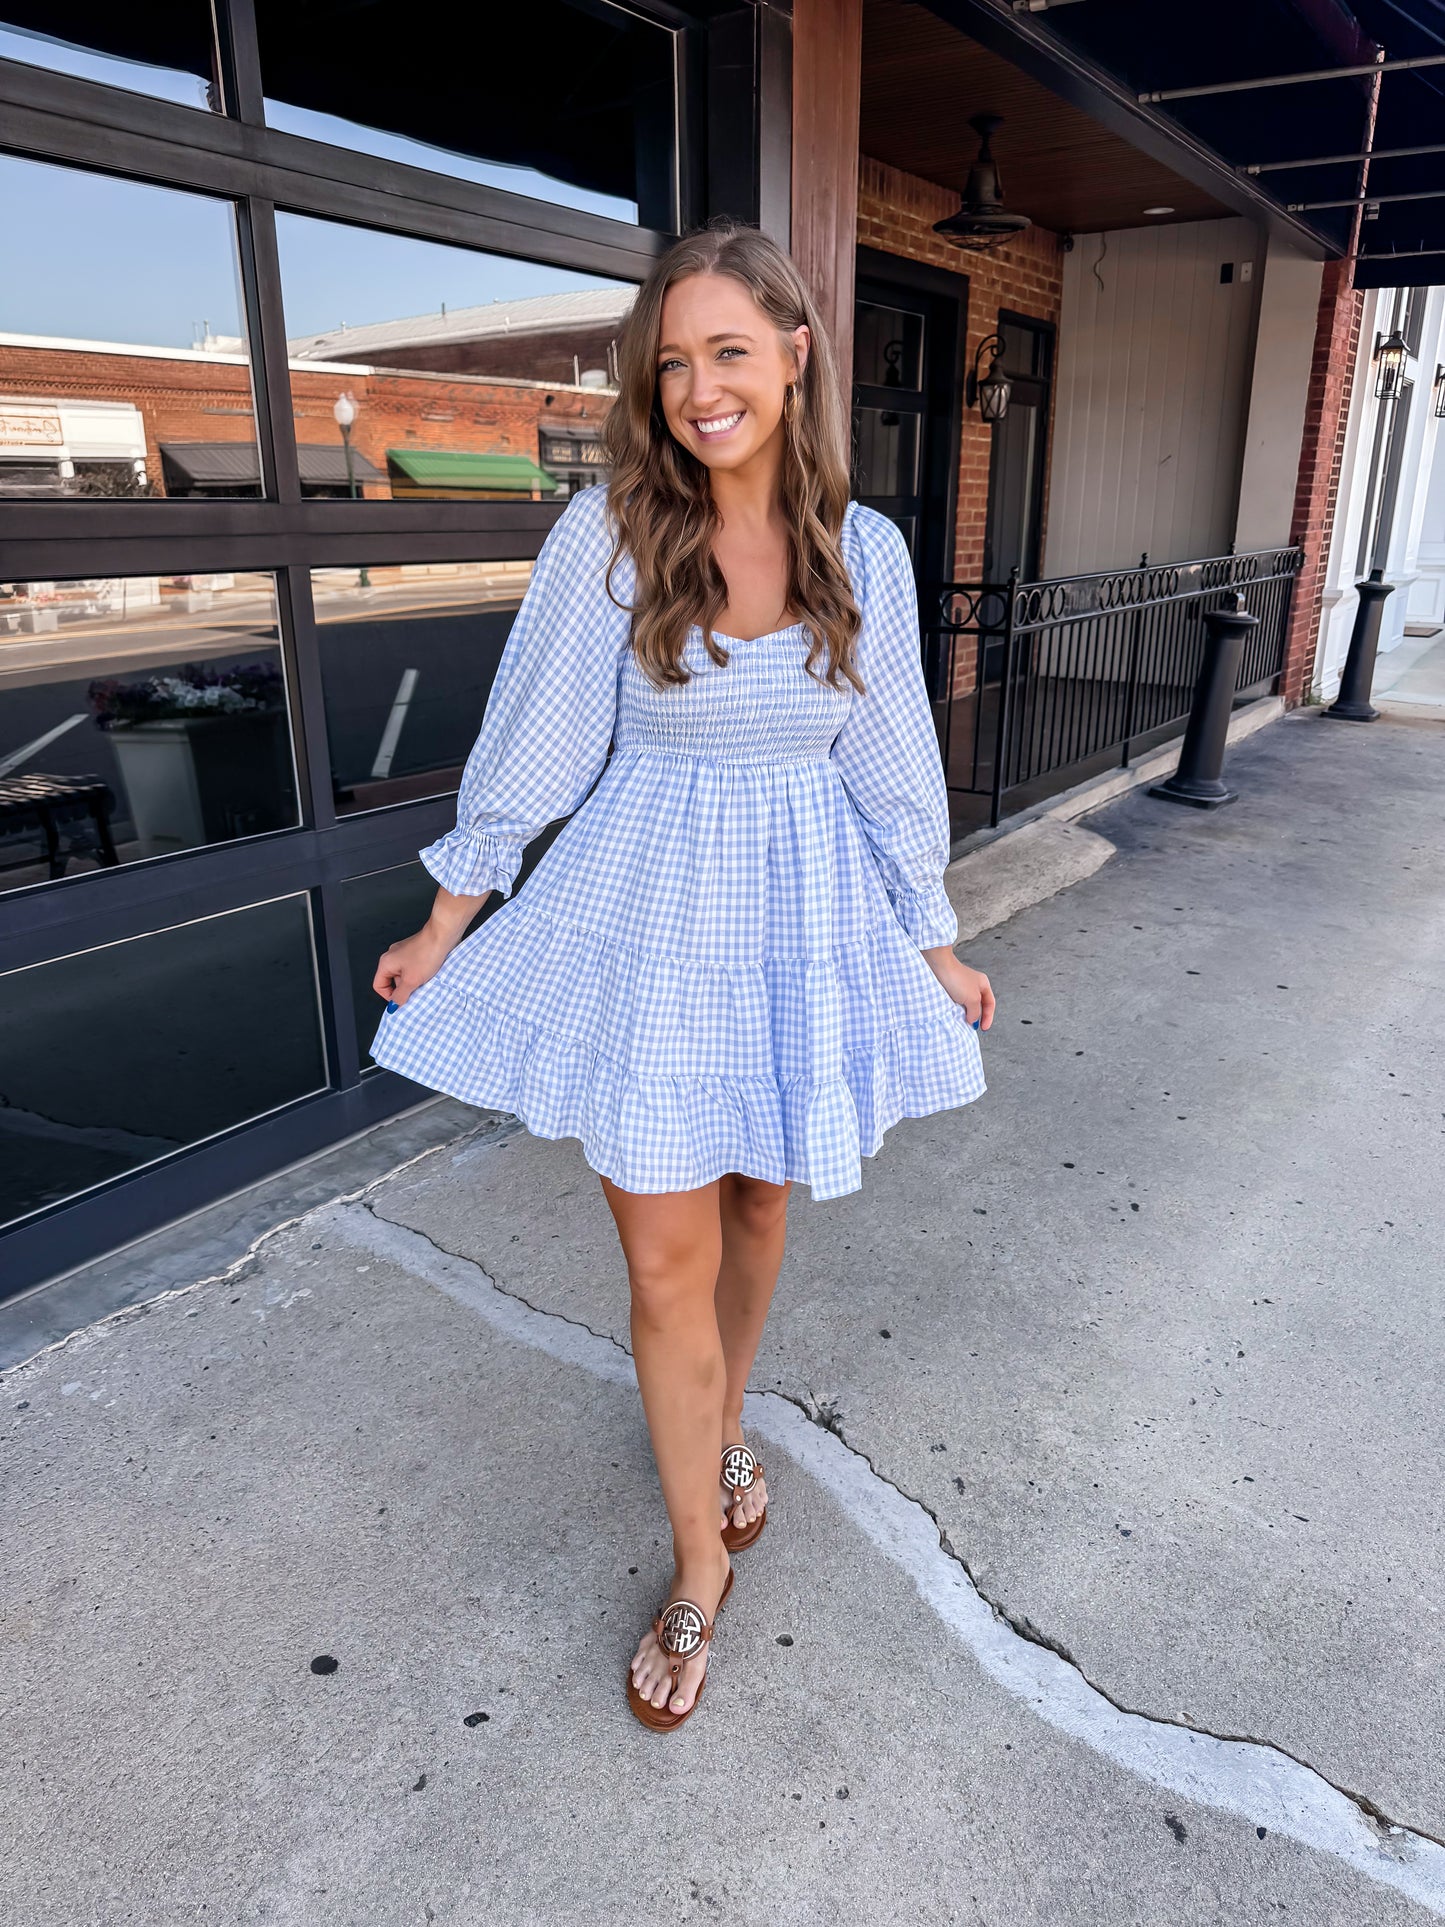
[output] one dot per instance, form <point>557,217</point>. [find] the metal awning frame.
<point>1338,160</point>
<point>1024,40</point>
<point>1362,71</point>
<point>1022,36</point>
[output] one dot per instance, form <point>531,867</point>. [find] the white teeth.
<point>718,423</point>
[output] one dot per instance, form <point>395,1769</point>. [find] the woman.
<point>733,969</point>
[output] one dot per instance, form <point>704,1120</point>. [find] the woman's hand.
<point>967,987</point>
<point>407,965</point>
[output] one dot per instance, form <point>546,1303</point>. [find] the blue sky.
<point>113,260</point>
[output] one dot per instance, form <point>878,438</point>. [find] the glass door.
<point>1012,539</point>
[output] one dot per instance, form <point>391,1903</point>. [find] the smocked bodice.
<point>761,707</point>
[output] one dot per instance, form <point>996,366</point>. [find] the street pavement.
<point>1103,1433</point>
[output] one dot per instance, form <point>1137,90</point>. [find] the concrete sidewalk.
<point>1103,1432</point>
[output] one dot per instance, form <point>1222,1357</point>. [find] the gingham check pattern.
<point>715,967</point>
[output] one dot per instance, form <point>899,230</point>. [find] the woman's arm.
<point>887,755</point>
<point>549,717</point>
<point>543,740</point>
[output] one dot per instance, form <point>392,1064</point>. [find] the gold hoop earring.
<point>790,401</point>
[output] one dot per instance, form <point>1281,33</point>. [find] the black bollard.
<point>1352,705</point>
<point>1197,779</point>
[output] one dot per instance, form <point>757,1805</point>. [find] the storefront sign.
<point>30,427</point>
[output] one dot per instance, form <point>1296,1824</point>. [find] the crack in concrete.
<point>829,1420</point>
<point>1026,1629</point>
<point>1257,1779</point>
<point>1236,1773</point>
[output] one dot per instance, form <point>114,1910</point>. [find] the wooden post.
<point>827,82</point>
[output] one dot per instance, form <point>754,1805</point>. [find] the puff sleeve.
<point>549,717</point>
<point>887,750</point>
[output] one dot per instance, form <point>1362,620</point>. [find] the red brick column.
<point>1327,409</point>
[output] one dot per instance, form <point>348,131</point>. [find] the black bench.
<point>47,802</point>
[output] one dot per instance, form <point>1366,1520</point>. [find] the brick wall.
<point>1327,409</point>
<point>896,212</point>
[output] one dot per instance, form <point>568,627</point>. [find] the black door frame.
<point>730,156</point>
<point>945,339</point>
<point>1048,333</point>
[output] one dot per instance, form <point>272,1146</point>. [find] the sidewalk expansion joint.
<point>1257,1780</point>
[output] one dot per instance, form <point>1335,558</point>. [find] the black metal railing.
<point>1033,682</point>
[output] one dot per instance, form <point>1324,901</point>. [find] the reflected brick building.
<point>526,381</point>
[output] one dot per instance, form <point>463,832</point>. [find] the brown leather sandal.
<point>682,1631</point>
<point>740,1474</point>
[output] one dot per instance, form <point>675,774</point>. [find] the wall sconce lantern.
<point>989,393</point>
<point>983,222</point>
<point>1390,356</point>
<point>1439,392</point>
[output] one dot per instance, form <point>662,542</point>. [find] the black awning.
<point>1318,126</point>
<point>1412,114</point>
<point>237,465</point>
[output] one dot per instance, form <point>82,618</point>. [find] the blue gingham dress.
<point>715,966</point>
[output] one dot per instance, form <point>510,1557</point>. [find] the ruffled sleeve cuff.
<point>927,915</point>
<point>470,863</point>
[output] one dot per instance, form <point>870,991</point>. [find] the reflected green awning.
<point>463,468</point>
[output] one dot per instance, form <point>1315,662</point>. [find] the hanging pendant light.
<point>983,222</point>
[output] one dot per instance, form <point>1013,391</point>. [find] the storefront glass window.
<point>124,371</point>
<point>886,442</point>
<point>117,1057</point>
<point>163,48</point>
<point>571,104</point>
<point>429,373</point>
<point>407,661</point>
<point>887,347</point>
<point>138,715</point>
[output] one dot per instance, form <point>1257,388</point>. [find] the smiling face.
<point>723,369</point>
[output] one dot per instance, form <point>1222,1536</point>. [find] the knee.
<point>670,1282</point>
<point>759,1209</point>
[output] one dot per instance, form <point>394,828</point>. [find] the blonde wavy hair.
<point>659,497</point>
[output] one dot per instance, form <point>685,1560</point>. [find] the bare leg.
<point>754,1218</point>
<point>673,1245</point>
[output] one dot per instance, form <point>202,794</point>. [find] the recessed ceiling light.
<point>1158,210</point>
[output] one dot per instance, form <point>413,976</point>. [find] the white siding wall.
<point>1153,382</point>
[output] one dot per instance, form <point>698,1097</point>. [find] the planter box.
<point>190,780</point>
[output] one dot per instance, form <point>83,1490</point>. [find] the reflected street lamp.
<point>344,409</point>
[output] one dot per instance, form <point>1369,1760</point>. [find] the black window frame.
<point>57,118</point>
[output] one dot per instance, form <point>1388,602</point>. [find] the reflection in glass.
<point>496,393</point>
<point>571,104</point>
<point>888,347</point>
<point>114,1058</point>
<point>380,909</point>
<point>886,442</point>
<point>164,48</point>
<point>407,661</point>
<point>138,715</point>
<point>123,362</point>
